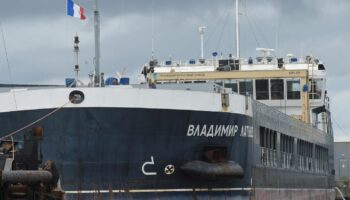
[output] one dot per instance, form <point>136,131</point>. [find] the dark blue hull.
<point>136,153</point>
<point>129,149</point>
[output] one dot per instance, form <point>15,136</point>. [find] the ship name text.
<point>219,130</point>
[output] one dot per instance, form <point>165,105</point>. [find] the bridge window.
<point>315,89</point>
<point>246,87</point>
<point>293,89</point>
<point>277,89</point>
<point>232,85</point>
<point>262,89</point>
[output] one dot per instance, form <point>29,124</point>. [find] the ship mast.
<point>201,32</point>
<point>76,51</point>
<point>97,45</point>
<point>237,31</point>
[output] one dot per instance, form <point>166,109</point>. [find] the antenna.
<point>152,29</point>
<point>97,44</point>
<point>237,32</point>
<point>277,30</point>
<point>76,51</point>
<point>201,30</point>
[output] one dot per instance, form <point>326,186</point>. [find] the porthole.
<point>76,97</point>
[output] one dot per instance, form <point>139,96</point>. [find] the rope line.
<point>217,25</point>
<point>8,64</point>
<point>341,128</point>
<point>222,31</point>
<point>34,122</point>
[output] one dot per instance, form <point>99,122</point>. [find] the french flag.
<point>74,10</point>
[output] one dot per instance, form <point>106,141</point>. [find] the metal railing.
<point>321,166</point>
<point>305,163</point>
<point>268,157</point>
<point>215,61</point>
<point>286,160</point>
<point>179,63</point>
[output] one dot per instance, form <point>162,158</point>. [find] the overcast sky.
<point>39,37</point>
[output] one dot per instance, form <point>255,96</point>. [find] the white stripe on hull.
<point>121,97</point>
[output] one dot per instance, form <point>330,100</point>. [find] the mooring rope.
<point>8,65</point>
<point>34,122</point>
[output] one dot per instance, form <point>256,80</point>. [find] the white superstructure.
<point>281,92</point>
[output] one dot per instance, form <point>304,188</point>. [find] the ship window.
<point>245,87</point>
<point>293,89</point>
<point>223,63</point>
<point>232,86</point>
<point>268,153</point>
<point>277,89</point>
<point>274,138</point>
<point>286,148</point>
<point>262,89</point>
<point>262,137</point>
<point>287,143</point>
<point>219,83</point>
<point>304,150</point>
<point>315,89</point>
<point>268,138</point>
<point>321,159</point>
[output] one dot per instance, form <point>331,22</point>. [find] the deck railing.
<point>268,157</point>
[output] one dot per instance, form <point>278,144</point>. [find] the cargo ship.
<point>221,128</point>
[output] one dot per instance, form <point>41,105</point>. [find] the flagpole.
<point>97,44</point>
